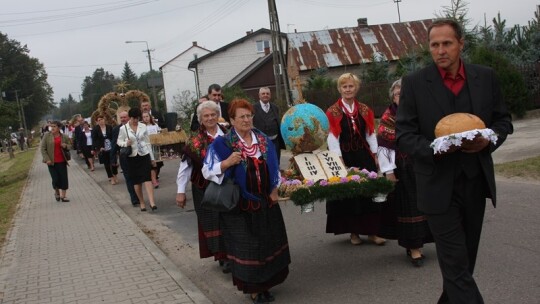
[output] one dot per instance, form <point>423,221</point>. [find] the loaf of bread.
<point>457,123</point>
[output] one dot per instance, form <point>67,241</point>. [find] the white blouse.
<point>184,172</point>
<point>140,143</point>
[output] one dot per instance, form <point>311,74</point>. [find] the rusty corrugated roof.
<point>356,45</point>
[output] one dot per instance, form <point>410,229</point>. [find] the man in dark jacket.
<point>268,120</point>
<point>452,186</point>
<point>214,93</point>
<point>123,118</point>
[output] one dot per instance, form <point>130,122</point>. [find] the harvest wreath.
<point>356,183</point>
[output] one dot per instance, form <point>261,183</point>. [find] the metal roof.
<point>356,45</point>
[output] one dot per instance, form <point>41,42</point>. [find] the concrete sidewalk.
<point>83,251</point>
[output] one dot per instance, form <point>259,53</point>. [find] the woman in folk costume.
<point>254,232</point>
<point>411,228</point>
<point>210,233</point>
<point>352,137</point>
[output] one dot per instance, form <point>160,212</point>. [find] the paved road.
<point>327,269</point>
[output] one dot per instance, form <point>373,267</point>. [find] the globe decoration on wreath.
<point>304,128</point>
<point>316,175</point>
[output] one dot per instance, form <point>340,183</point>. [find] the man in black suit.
<point>214,93</point>
<point>123,117</point>
<point>158,117</point>
<point>268,120</point>
<point>452,186</point>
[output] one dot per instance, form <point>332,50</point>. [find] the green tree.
<point>458,11</point>
<point>93,88</point>
<point>26,75</point>
<point>66,108</point>
<point>512,84</point>
<point>411,62</point>
<point>185,105</point>
<point>320,89</point>
<point>129,76</point>
<point>144,85</point>
<point>377,70</point>
<point>230,93</point>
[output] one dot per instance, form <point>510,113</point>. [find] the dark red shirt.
<point>58,156</point>
<point>454,84</point>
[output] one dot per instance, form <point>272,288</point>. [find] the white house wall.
<point>176,76</point>
<point>223,66</point>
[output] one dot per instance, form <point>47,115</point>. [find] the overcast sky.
<point>74,37</point>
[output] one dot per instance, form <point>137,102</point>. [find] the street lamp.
<point>151,69</point>
<point>148,50</point>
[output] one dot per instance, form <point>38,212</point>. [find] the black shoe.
<point>227,267</point>
<point>135,204</point>
<point>268,296</point>
<point>153,207</point>
<point>259,299</point>
<point>418,262</point>
<point>63,199</point>
<point>57,196</point>
<point>143,209</point>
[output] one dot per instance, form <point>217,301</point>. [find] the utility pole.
<point>397,3</point>
<point>280,66</point>
<point>22,123</point>
<point>148,50</point>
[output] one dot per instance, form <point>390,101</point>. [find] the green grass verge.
<point>527,169</point>
<point>13,174</point>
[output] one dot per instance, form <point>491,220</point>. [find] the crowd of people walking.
<point>435,198</point>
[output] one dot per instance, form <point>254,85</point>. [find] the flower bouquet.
<point>356,183</point>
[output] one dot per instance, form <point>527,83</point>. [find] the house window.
<point>261,45</point>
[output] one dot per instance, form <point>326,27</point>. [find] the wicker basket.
<point>168,138</point>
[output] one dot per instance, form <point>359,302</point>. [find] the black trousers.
<point>59,176</point>
<point>457,236</point>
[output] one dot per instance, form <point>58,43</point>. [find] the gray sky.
<point>73,38</point>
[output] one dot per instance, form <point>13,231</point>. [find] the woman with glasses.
<point>254,232</point>
<point>210,233</point>
<point>411,228</point>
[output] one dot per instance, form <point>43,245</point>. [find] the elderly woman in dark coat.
<point>210,234</point>
<point>255,236</point>
<point>411,228</point>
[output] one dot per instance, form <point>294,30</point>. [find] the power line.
<point>335,4</point>
<point>138,18</point>
<point>63,9</point>
<point>70,15</point>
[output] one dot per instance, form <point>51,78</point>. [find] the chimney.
<point>249,32</point>
<point>194,43</point>
<point>267,50</point>
<point>362,22</point>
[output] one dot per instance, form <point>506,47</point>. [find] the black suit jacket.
<point>224,113</point>
<point>424,101</point>
<point>98,140</point>
<point>160,119</point>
